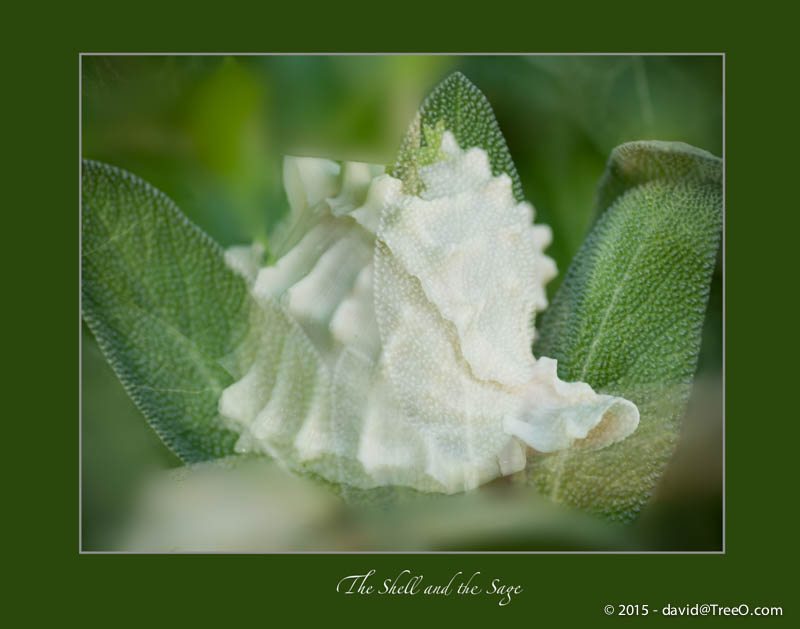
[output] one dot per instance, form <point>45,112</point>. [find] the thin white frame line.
<point>406,552</point>
<point>405,54</point>
<point>724,336</point>
<point>80,304</point>
<point>723,551</point>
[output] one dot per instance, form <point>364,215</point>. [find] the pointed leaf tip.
<point>458,106</point>
<point>629,314</point>
<point>164,306</point>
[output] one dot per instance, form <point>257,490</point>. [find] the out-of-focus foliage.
<point>211,131</point>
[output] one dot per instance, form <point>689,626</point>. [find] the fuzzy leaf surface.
<point>458,106</point>
<point>164,307</point>
<point>628,318</point>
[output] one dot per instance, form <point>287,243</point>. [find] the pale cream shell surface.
<point>392,345</point>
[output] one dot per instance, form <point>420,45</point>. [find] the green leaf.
<point>455,105</point>
<point>628,317</point>
<point>636,163</point>
<point>164,307</point>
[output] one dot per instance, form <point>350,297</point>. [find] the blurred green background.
<point>211,132</point>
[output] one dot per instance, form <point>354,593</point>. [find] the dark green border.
<point>52,582</point>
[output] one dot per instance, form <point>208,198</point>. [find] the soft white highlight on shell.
<point>554,415</point>
<point>392,346</point>
<point>479,259</point>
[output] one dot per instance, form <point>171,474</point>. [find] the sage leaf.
<point>628,317</point>
<point>164,306</point>
<point>636,163</point>
<point>454,105</point>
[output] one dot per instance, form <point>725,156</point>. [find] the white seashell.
<point>393,342</point>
